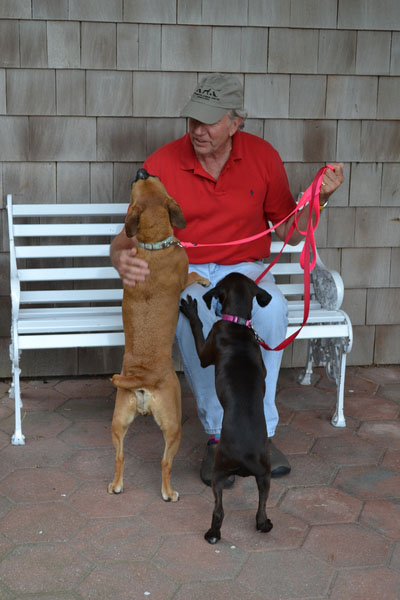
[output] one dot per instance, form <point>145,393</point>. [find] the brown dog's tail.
<point>133,383</point>
<point>125,382</point>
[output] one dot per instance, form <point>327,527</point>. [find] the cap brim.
<point>203,113</point>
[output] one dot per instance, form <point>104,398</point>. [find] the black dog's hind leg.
<point>214,533</point>
<point>263,523</point>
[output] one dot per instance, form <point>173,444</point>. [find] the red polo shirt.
<point>251,190</point>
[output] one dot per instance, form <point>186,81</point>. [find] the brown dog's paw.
<point>114,489</point>
<point>174,497</point>
<point>194,277</point>
<point>204,282</point>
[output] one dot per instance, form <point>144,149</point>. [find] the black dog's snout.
<point>141,174</point>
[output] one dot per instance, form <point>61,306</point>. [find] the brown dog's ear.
<point>262,297</point>
<point>132,221</point>
<point>176,215</point>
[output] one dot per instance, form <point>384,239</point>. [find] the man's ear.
<point>176,215</point>
<point>132,220</point>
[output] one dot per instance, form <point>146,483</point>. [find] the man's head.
<point>215,96</point>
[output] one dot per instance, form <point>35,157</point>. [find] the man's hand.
<point>330,182</point>
<point>130,268</point>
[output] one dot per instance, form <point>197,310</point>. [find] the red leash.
<point>311,197</point>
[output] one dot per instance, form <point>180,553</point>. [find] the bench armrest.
<point>328,286</point>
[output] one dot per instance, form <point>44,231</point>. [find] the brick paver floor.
<point>336,517</point>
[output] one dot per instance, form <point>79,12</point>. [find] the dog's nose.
<point>141,174</point>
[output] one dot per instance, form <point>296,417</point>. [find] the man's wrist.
<point>323,201</point>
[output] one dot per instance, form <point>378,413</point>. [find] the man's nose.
<point>198,126</point>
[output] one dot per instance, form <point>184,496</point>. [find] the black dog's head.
<point>235,293</point>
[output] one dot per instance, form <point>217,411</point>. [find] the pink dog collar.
<point>238,320</point>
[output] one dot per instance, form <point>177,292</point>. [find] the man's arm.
<point>123,258</point>
<point>331,181</point>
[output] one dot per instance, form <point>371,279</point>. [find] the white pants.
<point>270,322</point>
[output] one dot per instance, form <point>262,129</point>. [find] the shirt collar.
<point>189,161</point>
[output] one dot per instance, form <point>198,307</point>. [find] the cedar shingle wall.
<point>88,88</point>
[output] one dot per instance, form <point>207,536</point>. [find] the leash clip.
<point>258,338</point>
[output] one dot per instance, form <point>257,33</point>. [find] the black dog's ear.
<point>216,292</point>
<point>208,296</point>
<point>262,297</point>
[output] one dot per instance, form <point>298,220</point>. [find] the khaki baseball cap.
<point>213,97</point>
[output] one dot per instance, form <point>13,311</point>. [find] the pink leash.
<point>311,196</point>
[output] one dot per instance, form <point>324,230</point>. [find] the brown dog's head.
<point>235,293</point>
<point>152,212</point>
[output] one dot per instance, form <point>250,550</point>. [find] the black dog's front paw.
<point>189,307</point>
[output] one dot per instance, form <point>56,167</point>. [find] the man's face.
<point>212,139</point>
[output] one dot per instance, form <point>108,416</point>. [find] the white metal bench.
<point>78,304</point>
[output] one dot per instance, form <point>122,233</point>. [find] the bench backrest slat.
<point>70,296</point>
<point>67,229</point>
<point>68,274</point>
<point>288,249</point>
<point>73,210</point>
<point>73,250</point>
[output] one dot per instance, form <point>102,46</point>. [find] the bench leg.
<point>330,352</point>
<point>335,356</point>
<point>338,419</point>
<point>305,378</point>
<point>17,439</point>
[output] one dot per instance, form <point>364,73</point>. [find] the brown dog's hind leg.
<point>124,413</point>
<point>172,437</point>
<point>166,409</point>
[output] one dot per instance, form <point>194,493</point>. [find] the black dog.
<point>240,386</point>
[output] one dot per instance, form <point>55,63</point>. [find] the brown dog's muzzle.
<point>141,174</point>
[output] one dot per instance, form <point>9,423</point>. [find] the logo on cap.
<point>206,94</point>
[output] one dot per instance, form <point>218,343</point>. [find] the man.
<point>229,185</point>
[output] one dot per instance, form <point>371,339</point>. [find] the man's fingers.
<point>131,268</point>
<point>332,179</point>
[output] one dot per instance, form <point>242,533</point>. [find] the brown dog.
<point>148,383</point>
